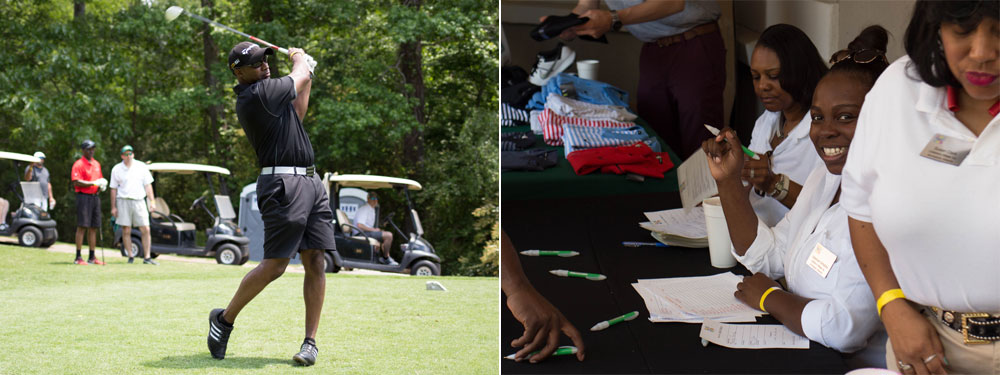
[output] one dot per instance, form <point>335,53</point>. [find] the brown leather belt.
<point>696,31</point>
<point>976,328</point>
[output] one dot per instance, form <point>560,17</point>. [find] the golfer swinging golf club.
<point>292,202</point>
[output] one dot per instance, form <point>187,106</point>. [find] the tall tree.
<point>213,110</point>
<point>410,61</point>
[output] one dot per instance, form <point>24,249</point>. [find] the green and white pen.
<point>560,253</point>
<point>611,322</point>
<point>715,132</point>
<point>582,275</point>
<point>563,350</point>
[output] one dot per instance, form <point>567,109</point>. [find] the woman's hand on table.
<point>543,324</point>
<point>752,287</point>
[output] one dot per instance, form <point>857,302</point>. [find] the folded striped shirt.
<point>510,116</point>
<point>564,106</point>
<point>576,138</point>
<point>552,129</point>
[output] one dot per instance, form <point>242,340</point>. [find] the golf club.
<point>175,11</point>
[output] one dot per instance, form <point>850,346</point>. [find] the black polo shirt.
<point>269,120</point>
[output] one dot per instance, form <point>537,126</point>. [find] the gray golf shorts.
<point>88,210</point>
<point>296,214</point>
<point>132,212</point>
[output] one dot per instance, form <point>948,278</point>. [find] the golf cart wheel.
<point>29,236</point>
<point>330,266</point>
<point>425,268</point>
<point>135,251</point>
<point>228,254</point>
<point>244,260</point>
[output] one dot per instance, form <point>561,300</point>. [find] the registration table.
<point>595,227</point>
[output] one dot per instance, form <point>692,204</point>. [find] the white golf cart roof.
<point>367,181</point>
<point>19,157</point>
<point>185,168</point>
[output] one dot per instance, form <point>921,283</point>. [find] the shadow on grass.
<point>204,360</point>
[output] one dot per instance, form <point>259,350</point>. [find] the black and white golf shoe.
<point>218,334</point>
<point>551,63</point>
<point>307,355</point>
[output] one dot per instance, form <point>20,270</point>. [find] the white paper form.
<point>695,180</point>
<point>706,296</point>
<point>752,336</point>
<point>678,222</point>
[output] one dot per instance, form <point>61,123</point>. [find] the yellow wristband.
<point>763,296</point>
<point>887,297</point>
<point>293,55</point>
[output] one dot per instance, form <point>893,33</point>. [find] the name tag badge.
<point>821,260</point>
<point>948,150</point>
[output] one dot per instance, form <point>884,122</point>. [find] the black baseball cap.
<point>88,144</point>
<point>247,53</point>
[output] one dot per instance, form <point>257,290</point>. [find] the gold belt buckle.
<point>965,328</point>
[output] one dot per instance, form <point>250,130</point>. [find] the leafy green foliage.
<point>124,75</point>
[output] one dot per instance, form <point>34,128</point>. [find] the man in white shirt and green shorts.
<point>130,190</point>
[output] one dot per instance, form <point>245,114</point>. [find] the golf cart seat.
<point>352,231</point>
<point>162,214</point>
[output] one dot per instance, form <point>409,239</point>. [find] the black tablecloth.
<point>595,227</point>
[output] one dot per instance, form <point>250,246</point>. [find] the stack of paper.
<point>695,181</point>
<point>678,227</point>
<point>693,299</point>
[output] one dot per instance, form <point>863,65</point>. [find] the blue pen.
<point>638,244</point>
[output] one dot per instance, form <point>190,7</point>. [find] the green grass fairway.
<point>61,318</point>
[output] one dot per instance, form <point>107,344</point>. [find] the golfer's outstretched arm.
<point>303,81</point>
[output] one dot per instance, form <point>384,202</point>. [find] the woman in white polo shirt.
<point>827,298</point>
<point>922,189</point>
<point>785,67</point>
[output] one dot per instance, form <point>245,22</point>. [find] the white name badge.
<point>821,260</point>
<point>948,150</point>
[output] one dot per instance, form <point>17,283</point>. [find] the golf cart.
<point>356,250</point>
<point>172,235</point>
<point>34,227</point>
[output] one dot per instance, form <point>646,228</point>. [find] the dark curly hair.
<point>868,46</point>
<point>801,65</point>
<point>923,44</point>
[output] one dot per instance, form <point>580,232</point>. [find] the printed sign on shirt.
<point>821,260</point>
<point>945,149</point>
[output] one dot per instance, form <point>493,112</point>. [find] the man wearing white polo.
<point>130,190</point>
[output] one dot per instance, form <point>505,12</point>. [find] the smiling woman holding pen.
<point>827,298</point>
<point>922,188</point>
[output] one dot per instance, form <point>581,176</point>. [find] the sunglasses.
<point>127,153</point>
<point>864,56</point>
<point>257,65</point>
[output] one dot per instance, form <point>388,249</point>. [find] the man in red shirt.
<point>87,180</point>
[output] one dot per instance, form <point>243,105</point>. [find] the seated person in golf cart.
<point>4,207</point>
<point>365,219</point>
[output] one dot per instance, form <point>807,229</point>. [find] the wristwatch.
<point>616,24</point>
<point>780,189</point>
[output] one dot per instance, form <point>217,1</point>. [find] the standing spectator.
<point>365,219</point>
<point>38,172</point>
<point>87,180</point>
<point>920,187</point>
<point>682,66</point>
<point>131,190</point>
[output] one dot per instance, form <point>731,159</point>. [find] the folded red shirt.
<point>637,158</point>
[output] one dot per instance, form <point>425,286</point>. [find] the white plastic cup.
<point>720,247</point>
<point>587,69</point>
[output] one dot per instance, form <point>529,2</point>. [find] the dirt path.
<point>63,247</point>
